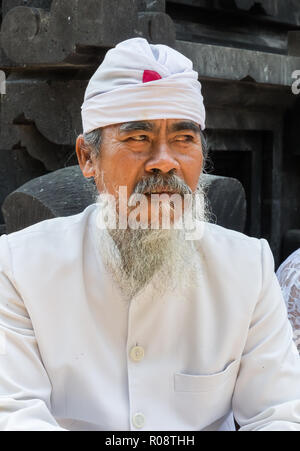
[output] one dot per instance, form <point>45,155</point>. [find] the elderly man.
<point>110,319</point>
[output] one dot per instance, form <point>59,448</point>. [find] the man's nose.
<point>162,160</point>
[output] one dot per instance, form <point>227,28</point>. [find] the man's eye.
<point>139,138</point>
<point>184,138</point>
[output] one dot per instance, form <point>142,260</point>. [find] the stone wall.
<point>245,52</point>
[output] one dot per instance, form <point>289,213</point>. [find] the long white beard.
<point>163,257</point>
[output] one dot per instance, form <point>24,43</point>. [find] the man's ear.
<point>84,158</point>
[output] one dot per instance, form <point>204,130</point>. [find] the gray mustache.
<point>168,183</point>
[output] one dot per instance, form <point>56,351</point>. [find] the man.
<point>143,326</point>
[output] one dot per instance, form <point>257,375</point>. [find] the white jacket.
<point>69,339</point>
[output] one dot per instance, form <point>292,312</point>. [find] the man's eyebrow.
<point>136,126</point>
<point>185,125</point>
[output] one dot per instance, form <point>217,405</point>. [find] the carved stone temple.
<point>247,54</point>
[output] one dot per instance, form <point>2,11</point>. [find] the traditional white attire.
<point>289,278</point>
<point>77,356</point>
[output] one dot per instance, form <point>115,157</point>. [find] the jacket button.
<point>138,421</point>
<point>137,353</point>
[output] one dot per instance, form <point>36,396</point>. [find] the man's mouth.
<point>161,191</point>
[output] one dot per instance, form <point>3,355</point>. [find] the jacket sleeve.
<point>267,392</point>
<point>25,389</point>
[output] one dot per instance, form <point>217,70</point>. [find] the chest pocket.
<point>203,399</point>
<point>201,383</point>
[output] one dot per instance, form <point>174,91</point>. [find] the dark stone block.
<point>157,28</point>
<point>294,43</point>
<point>2,229</point>
<point>227,63</point>
<point>227,200</point>
<point>62,193</point>
<point>37,113</point>
<point>72,30</point>
<point>152,5</point>
<point>37,36</point>
<point>272,11</point>
<point>10,4</point>
<point>270,7</point>
<point>17,167</point>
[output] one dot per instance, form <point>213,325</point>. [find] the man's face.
<point>133,151</point>
<point>131,155</point>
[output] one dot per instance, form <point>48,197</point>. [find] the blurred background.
<point>246,52</point>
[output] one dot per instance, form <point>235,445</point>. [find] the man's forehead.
<point>155,125</point>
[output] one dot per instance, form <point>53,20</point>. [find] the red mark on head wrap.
<point>150,75</point>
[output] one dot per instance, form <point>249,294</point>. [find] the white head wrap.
<point>139,81</point>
